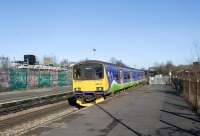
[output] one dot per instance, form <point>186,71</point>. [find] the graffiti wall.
<point>14,79</point>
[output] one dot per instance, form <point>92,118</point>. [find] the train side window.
<point>133,76</point>
<point>125,75</point>
<point>128,76</point>
<point>99,72</point>
<point>116,76</point>
<point>136,75</point>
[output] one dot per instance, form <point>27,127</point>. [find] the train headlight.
<point>99,88</point>
<point>77,89</point>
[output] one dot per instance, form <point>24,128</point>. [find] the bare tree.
<point>4,62</point>
<point>113,60</point>
<point>163,68</point>
<point>196,53</point>
<point>117,62</point>
<point>64,63</point>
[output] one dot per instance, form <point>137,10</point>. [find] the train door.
<point>131,76</point>
<point>121,76</point>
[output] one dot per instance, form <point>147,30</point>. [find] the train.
<point>94,80</point>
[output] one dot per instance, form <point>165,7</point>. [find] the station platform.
<point>151,110</point>
<point>6,97</point>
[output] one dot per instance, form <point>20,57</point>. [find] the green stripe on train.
<point>116,87</point>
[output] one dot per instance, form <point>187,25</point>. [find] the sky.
<point>139,32</point>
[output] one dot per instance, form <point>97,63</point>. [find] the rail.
<point>20,105</point>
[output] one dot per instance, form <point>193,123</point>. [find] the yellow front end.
<point>91,85</point>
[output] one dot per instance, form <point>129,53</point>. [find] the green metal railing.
<point>23,78</point>
<point>18,79</point>
<point>62,78</point>
<point>44,79</point>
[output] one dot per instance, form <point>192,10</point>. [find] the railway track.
<point>20,105</point>
<point>21,122</point>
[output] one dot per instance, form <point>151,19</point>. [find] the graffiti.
<point>34,78</point>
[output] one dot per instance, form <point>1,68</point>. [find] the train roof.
<point>103,62</point>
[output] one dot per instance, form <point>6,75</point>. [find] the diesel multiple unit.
<point>94,80</point>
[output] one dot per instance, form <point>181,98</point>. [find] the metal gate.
<point>159,79</point>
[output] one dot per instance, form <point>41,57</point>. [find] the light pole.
<point>170,77</point>
<point>94,50</point>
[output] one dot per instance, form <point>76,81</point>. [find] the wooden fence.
<point>189,89</point>
<point>187,84</point>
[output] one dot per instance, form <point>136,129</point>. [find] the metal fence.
<point>62,78</point>
<point>18,79</point>
<point>14,79</point>
<point>4,79</point>
<point>159,80</point>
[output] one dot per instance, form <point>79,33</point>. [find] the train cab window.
<point>99,73</point>
<point>88,72</point>
<point>77,73</point>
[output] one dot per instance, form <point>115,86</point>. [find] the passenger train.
<point>94,80</point>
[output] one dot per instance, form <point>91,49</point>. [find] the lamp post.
<point>170,77</point>
<point>94,50</point>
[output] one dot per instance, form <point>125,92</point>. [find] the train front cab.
<point>90,83</point>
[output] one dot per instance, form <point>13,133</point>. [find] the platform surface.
<point>151,110</point>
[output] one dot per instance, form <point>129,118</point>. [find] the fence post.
<point>189,90</point>
<point>181,87</point>
<point>183,82</point>
<point>196,94</point>
<point>49,74</point>
<point>27,78</point>
<point>197,97</point>
<point>186,89</point>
